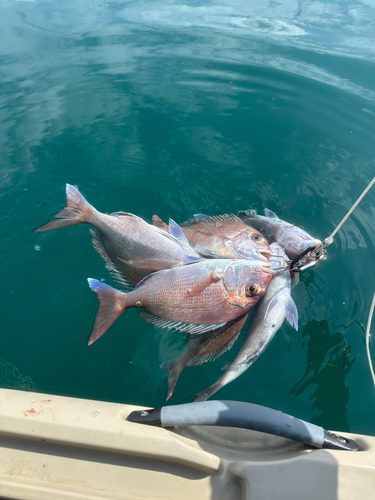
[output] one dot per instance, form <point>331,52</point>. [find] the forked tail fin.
<point>112,303</point>
<point>173,368</point>
<point>77,211</point>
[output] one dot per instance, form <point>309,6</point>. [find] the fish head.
<point>249,240</point>
<point>295,240</point>
<point>246,281</point>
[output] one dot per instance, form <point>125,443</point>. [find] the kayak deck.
<point>68,448</point>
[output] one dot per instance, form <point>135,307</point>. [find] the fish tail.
<point>77,211</point>
<point>204,395</point>
<point>173,368</point>
<point>112,303</point>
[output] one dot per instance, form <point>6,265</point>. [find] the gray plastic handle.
<point>246,416</point>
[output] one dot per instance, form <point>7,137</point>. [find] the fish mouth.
<point>266,268</point>
<point>262,255</point>
<point>265,253</point>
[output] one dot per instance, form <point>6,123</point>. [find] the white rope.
<point>329,240</point>
<point>368,338</point>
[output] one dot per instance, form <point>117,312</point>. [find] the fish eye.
<point>251,290</point>
<point>256,237</point>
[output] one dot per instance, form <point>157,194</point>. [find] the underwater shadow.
<point>327,365</point>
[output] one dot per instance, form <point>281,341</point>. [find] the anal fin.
<point>178,325</point>
<point>115,273</point>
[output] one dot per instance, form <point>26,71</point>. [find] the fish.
<point>197,297</point>
<point>131,248</point>
<point>276,304</point>
<point>221,237</point>
<point>205,347</point>
<point>293,239</point>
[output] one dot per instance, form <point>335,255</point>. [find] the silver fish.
<point>130,247</point>
<point>269,315</point>
<point>193,298</point>
<point>293,239</point>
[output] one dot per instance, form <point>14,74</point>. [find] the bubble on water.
<point>12,378</point>
<point>37,248</point>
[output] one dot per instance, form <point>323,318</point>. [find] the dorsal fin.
<point>156,221</point>
<point>115,273</point>
<point>270,214</point>
<point>200,218</point>
<point>123,214</point>
<point>177,325</point>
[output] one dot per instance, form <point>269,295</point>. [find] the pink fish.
<point>193,298</point>
<point>221,237</point>
<point>130,247</point>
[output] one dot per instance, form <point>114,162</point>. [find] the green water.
<point>175,109</point>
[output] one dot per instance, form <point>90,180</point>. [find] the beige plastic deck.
<point>53,447</point>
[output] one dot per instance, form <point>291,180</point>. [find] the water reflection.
<point>12,378</point>
<point>329,360</point>
<point>179,109</point>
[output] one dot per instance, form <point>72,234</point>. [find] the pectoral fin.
<point>271,305</point>
<point>211,277</point>
<point>191,259</point>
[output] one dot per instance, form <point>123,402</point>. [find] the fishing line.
<point>329,240</point>
<point>368,338</point>
<point>310,256</point>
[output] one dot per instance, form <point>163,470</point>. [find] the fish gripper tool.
<point>309,257</point>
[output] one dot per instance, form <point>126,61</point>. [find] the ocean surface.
<point>173,108</point>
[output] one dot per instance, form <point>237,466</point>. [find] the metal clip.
<point>309,258</point>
